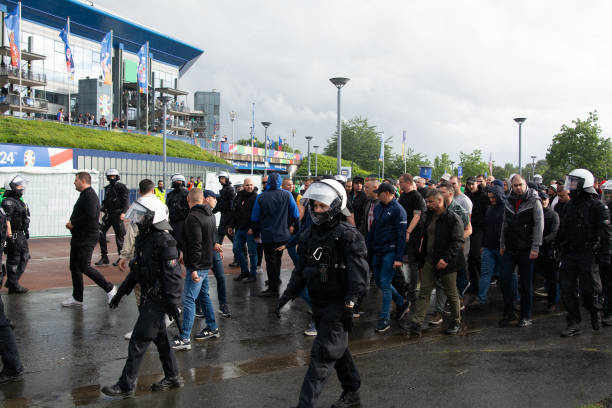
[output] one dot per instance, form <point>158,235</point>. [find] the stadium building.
<point>46,84</point>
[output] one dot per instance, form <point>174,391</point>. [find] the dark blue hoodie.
<point>494,219</point>
<point>273,211</point>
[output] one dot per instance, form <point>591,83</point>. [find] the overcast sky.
<point>452,74</point>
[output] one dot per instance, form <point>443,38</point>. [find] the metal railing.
<point>28,75</point>
<point>26,101</point>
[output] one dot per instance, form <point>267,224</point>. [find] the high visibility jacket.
<point>199,184</point>
<point>161,194</point>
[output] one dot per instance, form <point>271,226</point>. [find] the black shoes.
<point>167,384</point>
<point>250,279</point>
<point>103,261</point>
<point>453,328</point>
<point>571,330</point>
<point>596,320</point>
<point>8,378</point>
<point>413,329</point>
<point>234,265</point>
<point>116,391</point>
<point>241,277</point>
<point>225,311</point>
<point>524,322</point>
<point>17,290</point>
<point>507,320</point>
<point>348,400</point>
<point>607,320</point>
<point>402,311</point>
<point>269,293</point>
<point>116,263</point>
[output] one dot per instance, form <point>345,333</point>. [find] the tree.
<point>395,166</point>
<point>327,165</point>
<point>472,164</point>
<point>442,164</point>
<point>580,146</point>
<point>360,144</point>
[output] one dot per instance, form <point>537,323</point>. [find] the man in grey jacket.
<point>520,243</point>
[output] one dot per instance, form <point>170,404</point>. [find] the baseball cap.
<point>210,193</point>
<point>358,179</point>
<point>543,195</point>
<point>385,187</point>
<point>471,179</point>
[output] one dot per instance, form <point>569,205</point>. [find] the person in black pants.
<point>115,204</point>
<point>548,261</point>
<point>17,249</point>
<point>272,213</point>
<point>476,192</point>
<point>83,225</point>
<point>12,370</point>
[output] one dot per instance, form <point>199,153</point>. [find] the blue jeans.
<point>240,237</point>
<point>383,275</point>
<point>193,291</point>
<point>491,265</point>
<point>520,259</point>
<point>217,269</point>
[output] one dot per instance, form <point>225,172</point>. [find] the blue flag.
<point>143,59</point>
<point>105,58</point>
<point>382,148</point>
<point>12,22</point>
<point>67,51</point>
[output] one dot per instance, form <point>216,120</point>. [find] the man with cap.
<point>157,269</point>
<point>386,241</point>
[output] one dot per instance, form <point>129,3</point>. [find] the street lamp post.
<point>232,116</point>
<point>164,100</point>
<point>309,138</point>
<point>266,125</point>
<point>316,160</point>
<point>339,83</point>
<point>520,123</point>
<point>293,132</point>
<point>533,167</point>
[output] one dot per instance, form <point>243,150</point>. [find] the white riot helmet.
<point>177,178</point>
<point>578,180</point>
<point>606,190</point>
<point>223,173</point>
<point>340,178</point>
<point>112,172</point>
<point>14,183</point>
<point>538,179</point>
<point>149,213</point>
<point>329,192</point>
<point>445,177</point>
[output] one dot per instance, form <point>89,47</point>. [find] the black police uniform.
<point>178,209</point>
<point>17,250</point>
<point>157,270</point>
<point>547,261</point>
<point>333,266</point>
<point>12,370</point>
<point>225,206</point>
<point>116,202</point>
<point>606,280</point>
<point>584,239</point>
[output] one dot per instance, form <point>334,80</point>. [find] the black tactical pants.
<point>17,257</point>
<point>114,221</point>
<point>11,364</point>
<point>273,263</point>
<point>177,233</point>
<point>579,272</point>
<point>329,350</point>
<point>150,327</point>
<point>606,282</point>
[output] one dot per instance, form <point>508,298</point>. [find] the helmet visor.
<point>136,213</point>
<point>573,183</point>
<point>320,192</point>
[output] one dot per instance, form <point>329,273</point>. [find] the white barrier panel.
<point>50,195</point>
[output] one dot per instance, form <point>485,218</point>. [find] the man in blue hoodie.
<point>273,212</point>
<point>386,242</point>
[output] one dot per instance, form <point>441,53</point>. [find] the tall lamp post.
<point>533,167</point>
<point>309,138</point>
<point>164,100</point>
<point>339,83</point>
<point>316,160</point>
<point>266,125</point>
<point>520,123</point>
<point>232,116</point>
<point>293,132</point>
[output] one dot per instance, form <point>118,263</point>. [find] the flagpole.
<point>111,91</point>
<point>69,73</point>
<point>147,87</point>
<point>404,148</point>
<point>252,136</point>
<point>19,50</point>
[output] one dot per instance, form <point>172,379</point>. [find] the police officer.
<point>332,265</point>
<point>157,270</point>
<point>584,239</point>
<point>225,207</point>
<point>160,192</point>
<point>178,207</point>
<point>604,269</point>
<point>17,250</point>
<point>114,205</point>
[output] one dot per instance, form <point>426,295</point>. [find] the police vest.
<point>155,253</point>
<point>177,204</point>
<point>160,194</point>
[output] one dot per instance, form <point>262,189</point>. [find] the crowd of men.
<point>411,236</point>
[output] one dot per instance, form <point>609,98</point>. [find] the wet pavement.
<point>259,361</point>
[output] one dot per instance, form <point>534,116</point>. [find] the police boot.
<point>103,261</point>
<point>167,383</point>
<point>17,290</point>
<point>572,329</point>
<point>116,391</point>
<point>7,378</point>
<point>348,399</point>
<point>596,320</point>
<point>607,320</point>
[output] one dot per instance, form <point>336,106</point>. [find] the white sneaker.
<point>127,335</point>
<point>111,294</point>
<point>70,302</point>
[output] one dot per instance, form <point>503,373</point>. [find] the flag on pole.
<point>280,143</point>
<point>382,148</point>
<point>105,58</point>
<point>403,143</point>
<point>12,22</point>
<point>143,56</point>
<point>490,164</point>
<point>64,35</point>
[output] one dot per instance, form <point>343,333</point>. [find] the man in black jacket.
<point>115,204</point>
<point>240,227</point>
<point>157,270</point>
<point>440,258</point>
<point>83,226</point>
<point>200,241</point>
<point>357,200</point>
<point>225,207</point>
<point>178,208</point>
<point>475,191</point>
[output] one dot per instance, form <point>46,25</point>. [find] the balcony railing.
<point>28,75</point>
<point>26,101</point>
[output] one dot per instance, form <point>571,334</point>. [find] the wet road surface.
<point>259,361</point>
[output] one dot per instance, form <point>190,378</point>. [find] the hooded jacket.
<point>388,230</point>
<point>494,219</point>
<point>273,211</point>
<point>523,222</point>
